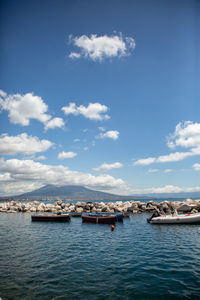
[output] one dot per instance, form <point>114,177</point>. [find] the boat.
<point>99,218</point>
<point>119,216</point>
<point>176,219</point>
<point>51,217</point>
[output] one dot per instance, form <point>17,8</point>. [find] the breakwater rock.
<point>127,207</point>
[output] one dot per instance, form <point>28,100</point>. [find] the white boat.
<point>176,219</point>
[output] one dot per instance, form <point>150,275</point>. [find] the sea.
<point>78,260</point>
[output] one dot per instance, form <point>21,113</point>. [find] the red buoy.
<point>112,227</point>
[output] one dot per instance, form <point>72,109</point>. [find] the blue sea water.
<point>77,260</point>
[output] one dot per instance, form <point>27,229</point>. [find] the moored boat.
<point>176,219</point>
<point>99,218</point>
<point>118,216</point>
<point>52,217</point>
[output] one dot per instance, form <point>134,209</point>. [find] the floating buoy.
<point>112,227</point>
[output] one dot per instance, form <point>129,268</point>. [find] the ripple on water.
<point>88,261</point>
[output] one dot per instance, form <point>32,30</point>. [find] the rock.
<point>79,209</point>
<point>72,208</point>
<point>118,209</point>
<point>63,205</point>
<point>111,205</point>
<point>80,204</point>
<point>104,209</point>
<point>32,209</point>
<point>37,203</point>
<point>57,207</point>
<point>59,202</point>
<point>184,208</point>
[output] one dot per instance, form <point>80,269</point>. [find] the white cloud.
<point>196,167</point>
<point>168,170</point>
<point>107,167</point>
<point>97,48</point>
<point>74,55</point>
<point>53,123</point>
<point>152,171</point>
<point>22,143</point>
<point>63,155</point>
<point>23,108</point>
<point>167,189</point>
<point>2,94</point>
<point>25,175</point>
<point>41,157</point>
<point>144,161</point>
<point>186,135</point>
<point>172,157</point>
<point>112,134</point>
<point>94,111</point>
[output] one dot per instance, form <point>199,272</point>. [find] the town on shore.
<point>128,207</point>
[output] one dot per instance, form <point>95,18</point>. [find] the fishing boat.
<point>119,216</point>
<point>176,219</point>
<point>51,217</point>
<point>99,218</point>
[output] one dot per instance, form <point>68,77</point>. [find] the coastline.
<point>133,207</point>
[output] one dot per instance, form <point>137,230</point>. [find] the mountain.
<point>71,192</point>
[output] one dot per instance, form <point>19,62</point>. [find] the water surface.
<point>87,261</point>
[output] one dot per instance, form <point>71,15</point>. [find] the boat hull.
<point>100,219</point>
<point>179,219</point>
<point>47,218</point>
<point>118,216</point>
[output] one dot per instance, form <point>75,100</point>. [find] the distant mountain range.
<point>74,192</point>
<point>71,192</point>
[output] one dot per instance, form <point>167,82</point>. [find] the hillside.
<point>71,192</point>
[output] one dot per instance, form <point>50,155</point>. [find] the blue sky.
<point>103,94</point>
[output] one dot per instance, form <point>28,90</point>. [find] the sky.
<point>103,94</point>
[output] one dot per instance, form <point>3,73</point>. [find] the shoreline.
<point>134,207</point>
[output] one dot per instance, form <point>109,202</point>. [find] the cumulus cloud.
<point>168,189</point>
<point>196,167</point>
<point>41,157</point>
<point>97,48</point>
<point>94,111</point>
<point>2,94</point>
<point>53,123</point>
<point>108,167</point>
<point>63,155</point>
<point>22,143</point>
<point>30,174</point>
<point>23,108</point>
<point>112,134</point>
<point>74,55</point>
<point>186,135</point>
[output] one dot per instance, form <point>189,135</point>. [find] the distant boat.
<point>99,218</point>
<point>53,217</point>
<point>176,219</point>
